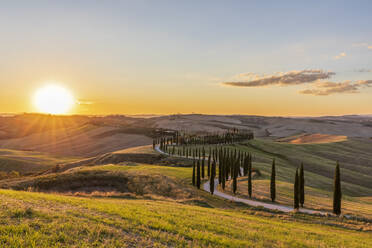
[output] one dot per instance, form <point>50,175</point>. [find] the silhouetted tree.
<point>198,180</point>
<point>213,175</point>
<point>337,195</point>
<point>302,186</point>
<point>219,173</point>
<point>203,163</point>
<point>209,165</point>
<point>250,180</point>
<point>272,182</point>
<point>235,177</point>
<point>193,172</point>
<point>296,202</point>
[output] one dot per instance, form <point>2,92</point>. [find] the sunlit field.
<point>185,124</point>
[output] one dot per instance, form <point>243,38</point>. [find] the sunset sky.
<point>214,57</point>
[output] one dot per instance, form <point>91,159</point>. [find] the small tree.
<point>296,187</point>
<point>211,180</point>
<point>250,180</point>
<point>337,195</point>
<point>272,182</point>
<point>209,165</point>
<point>219,173</point>
<point>203,167</point>
<point>302,186</point>
<point>235,177</point>
<point>198,175</point>
<point>193,172</point>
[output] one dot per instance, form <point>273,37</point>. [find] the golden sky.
<point>164,58</point>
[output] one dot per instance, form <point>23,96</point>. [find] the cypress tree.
<point>209,165</point>
<point>337,195</point>
<point>235,175</point>
<point>223,177</point>
<point>198,175</point>
<point>302,186</point>
<point>193,172</point>
<point>246,165</point>
<point>272,182</point>
<point>296,203</point>
<point>219,173</point>
<point>250,180</point>
<point>203,167</point>
<point>213,175</point>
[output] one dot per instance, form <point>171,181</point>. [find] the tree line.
<point>231,163</point>
<point>186,139</point>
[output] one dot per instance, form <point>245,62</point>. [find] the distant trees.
<point>302,185</point>
<point>272,182</point>
<point>227,137</point>
<point>296,193</point>
<point>337,195</point>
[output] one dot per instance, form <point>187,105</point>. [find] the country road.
<point>254,203</point>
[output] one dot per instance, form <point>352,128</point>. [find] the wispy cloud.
<point>341,55</point>
<point>281,78</point>
<point>316,79</point>
<point>329,88</point>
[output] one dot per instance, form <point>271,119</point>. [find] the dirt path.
<point>271,206</point>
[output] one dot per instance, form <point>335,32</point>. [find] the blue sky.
<point>184,47</point>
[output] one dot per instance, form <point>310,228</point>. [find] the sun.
<point>53,99</point>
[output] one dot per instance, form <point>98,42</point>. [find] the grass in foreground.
<point>45,220</point>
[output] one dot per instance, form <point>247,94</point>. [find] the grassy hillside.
<point>319,160</point>
<point>27,162</point>
<point>82,141</point>
<point>135,204</point>
<point>47,220</point>
<point>314,198</point>
<point>354,155</point>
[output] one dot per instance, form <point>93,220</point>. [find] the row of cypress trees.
<point>198,173</point>
<point>227,137</point>
<point>230,165</point>
<point>299,190</point>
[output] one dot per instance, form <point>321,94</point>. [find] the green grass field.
<point>156,206</point>
<point>49,220</point>
<point>319,160</point>
<point>355,158</point>
<point>314,198</point>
